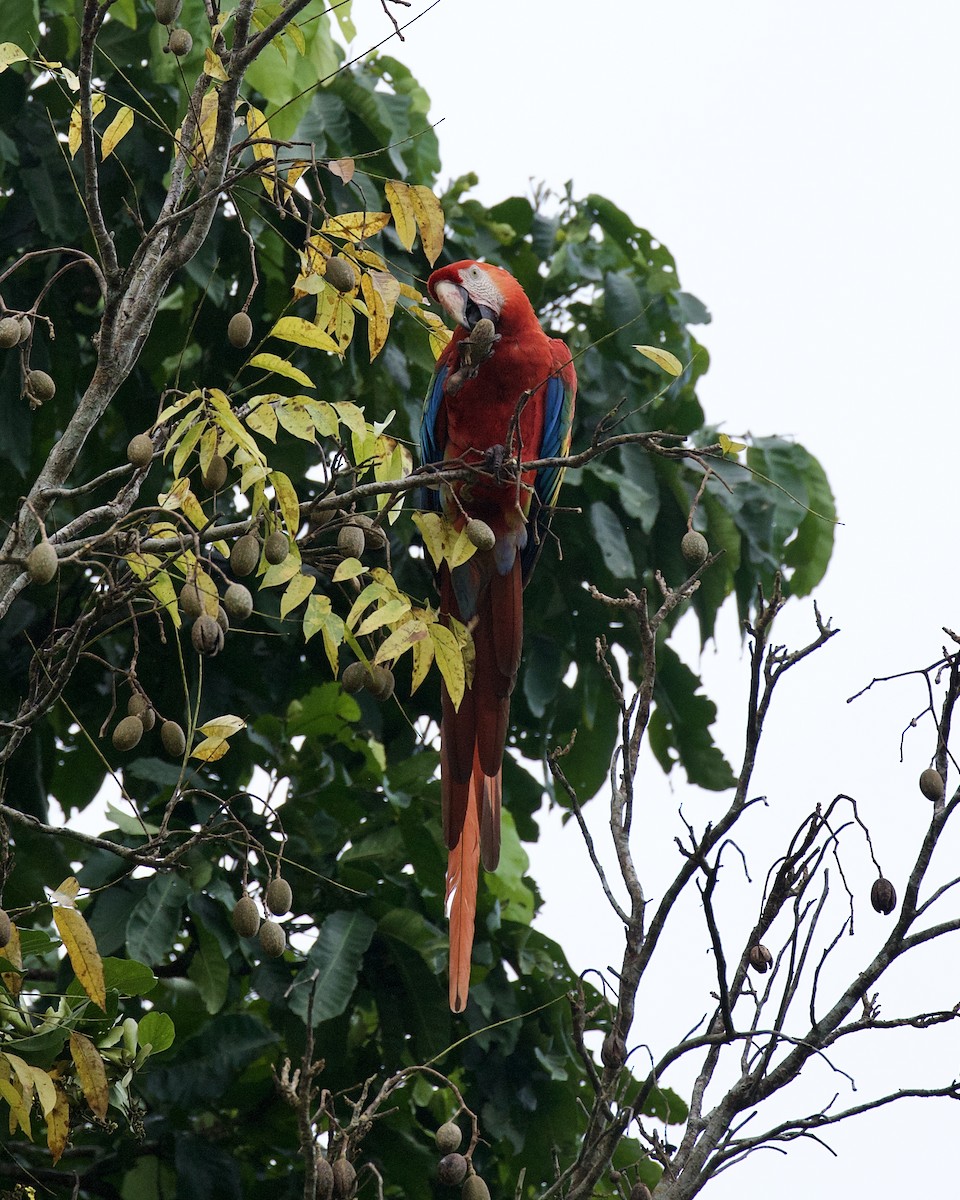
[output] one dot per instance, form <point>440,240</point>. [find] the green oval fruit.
<point>475,1189</point>
<point>931,784</point>
<point>191,600</point>
<point>238,602</point>
<point>354,678</point>
<point>694,548</point>
<point>452,1170</point>
<point>207,636</point>
<point>480,534</point>
<point>276,548</point>
<point>340,274</point>
<point>168,10</point>
<point>140,450</point>
<point>9,332</point>
<point>273,941</point>
<point>245,918</point>
<point>215,475</point>
<point>6,928</point>
<point>139,706</point>
<point>324,1179</point>
<point>40,386</point>
<point>448,1137</point>
<point>244,555</point>
<point>239,330</point>
<point>181,42</point>
<point>380,683</point>
<point>344,1179</point>
<point>279,896</point>
<point>42,562</point>
<point>173,739</point>
<point>128,732</point>
<point>350,541</point>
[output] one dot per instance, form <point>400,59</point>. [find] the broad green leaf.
<point>156,1029</point>
<point>332,965</point>
<point>209,971</point>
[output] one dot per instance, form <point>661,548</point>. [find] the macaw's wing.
<point>432,427</point>
<point>559,401</point>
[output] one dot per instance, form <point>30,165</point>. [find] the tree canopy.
<point>148,197</point>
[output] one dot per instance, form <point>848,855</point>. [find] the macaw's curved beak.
<point>462,307</point>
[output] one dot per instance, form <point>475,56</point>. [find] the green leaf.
<point>157,1030</point>
<point>611,540</point>
<point>680,725</point>
<point>128,977</point>
<point>209,970</point>
<point>155,920</point>
<point>332,966</point>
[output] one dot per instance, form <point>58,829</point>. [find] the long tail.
<point>471,757</point>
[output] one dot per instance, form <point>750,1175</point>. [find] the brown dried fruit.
<point>140,450</point>
<point>340,274</point>
<point>694,548</point>
<point>324,1179</point>
<point>239,330</point>
<point>42,563</point>
<point>354,678</point>
<point>276,548</point>
<point>480,534</point>
<point>273,941</point>
<point>452,1170</point>
<point>128,732</point>
<point>279,896</point>
<point>9,332</point>
<point>223,620</point>
<point>475,1189</point>
<point>6,927</point>
<point>25,329</point>
<point>245,918</point>
<point>449,1137</point>
<point>40,386</point>
<point>207,636</point>
<point>238,602</point>
<point>380,683</point>
<point>640,1191</point>
<point>181,42</point>
<point>244,555</point>
<point>931,784</point>
<point>167,11</point>
<point>883,896</point>
<point>344,1179</point>
<point>191,600</point>
<point>373,536</point>
<point>173,739</point>
<point>215,476</point>
<point>139,706</point>
<point>350,541</point>
<point>760,958</point>
<point>613,1052</point>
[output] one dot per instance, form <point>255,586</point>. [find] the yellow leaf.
<point>206,588</point>
<point>351,416</point>
<point>116,131</point>
<point>422,662</point>
<point>343,168</point>
<point>19,1108</point>
<point>370,595</point>
<point>298,589</point>
<point>288,500</point>
<point>401,640</point>
<point>663,358</point>
<point>350,568</point>
<point>213,66</point>
<point>262,418</point>
<point>58,1126</point>
<point>450,661</point>
<point>262,149</point>
<point>225,726</point>
<point>90,1072</point>
<point>320,619</point>
<point>462,549</point>
<point>404,214</point>
<point>388,289</point>
<point>10,53</point>
<point>69,890</point>
<point>304,333</point>
<point>355,225</point>
<point>75,137</point>
<point>82,951</point>
<point>186,447</point>
<point>282,572</point>
<point>279,366</point>
<point>293,416</point>
<point>12,952</point>
<point>429,220</point>
<point>392,611</point>
<point>729,446</point>
<point>378,323</point>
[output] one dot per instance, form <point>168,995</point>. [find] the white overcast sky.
<point>800,161</point>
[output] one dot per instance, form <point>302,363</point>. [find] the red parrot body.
<point>501,386</point>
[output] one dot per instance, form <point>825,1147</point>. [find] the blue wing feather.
<point>558,420</point>
<point>430,449</point>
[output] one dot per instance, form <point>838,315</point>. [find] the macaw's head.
<point>469,291</point>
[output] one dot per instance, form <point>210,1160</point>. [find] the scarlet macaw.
<point>500,386</point>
